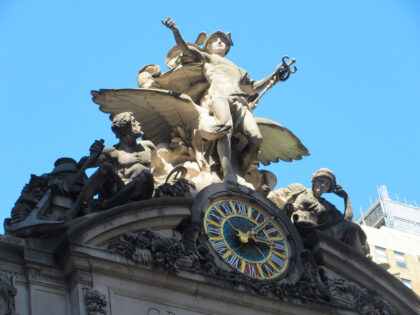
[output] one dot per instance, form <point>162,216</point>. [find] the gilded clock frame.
<point>216,192</point>
<point>285,256</point>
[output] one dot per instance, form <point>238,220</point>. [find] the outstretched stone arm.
<point>252,87</point>
<point>348,212</point>
<point>169,23</point>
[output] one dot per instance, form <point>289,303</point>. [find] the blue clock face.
<point>247,239</point>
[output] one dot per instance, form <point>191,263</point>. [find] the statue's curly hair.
<point>121,123</point>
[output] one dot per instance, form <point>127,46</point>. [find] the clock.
<point>247,238</point>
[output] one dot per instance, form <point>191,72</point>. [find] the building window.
<point>406,282</point>
<point>399,257</point>
<point>381,254</point>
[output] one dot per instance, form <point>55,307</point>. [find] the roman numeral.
<point>215,216</point>
<point>241,208</point>
<point>277,260</point>
<point>271,231</point>
<point>279,246</point>
<point>252,270</point>
<point>220,246</point>
<point>234,261</point>
<point>225,207</point>
<point>257,216</point>
<point>267,269</point>
<point>213,230</point>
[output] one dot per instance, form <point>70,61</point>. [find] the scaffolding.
<point>392,211</point>
<point>384,201</point>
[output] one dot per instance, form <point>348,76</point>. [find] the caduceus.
<point>282,73</point>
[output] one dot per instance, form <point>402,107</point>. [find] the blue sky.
<point>354,101</point>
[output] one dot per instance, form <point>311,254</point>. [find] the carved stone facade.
<point>95,302</point>
<point>169,267</point>
<point>149,248</point>
<point>7,295</point>
<point>179,222</point>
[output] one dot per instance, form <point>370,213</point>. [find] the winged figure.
<point>205,102</point>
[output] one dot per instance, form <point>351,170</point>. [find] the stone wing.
<point>187,79</point>
<point>278,143</point>
<point>158,111</point>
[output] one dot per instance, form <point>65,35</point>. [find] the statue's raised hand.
<point>281,72</point>
<point>339,191</point>
<point>97,147</point>
<point>169,23</point>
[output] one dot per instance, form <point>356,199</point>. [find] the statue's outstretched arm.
<point>252,87</point>
<point>169,23</point>
<point>281,73</point>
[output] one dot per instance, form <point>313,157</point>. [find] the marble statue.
<point>199,113</point>
<point>229,93</point>
<point>197,117</point>
<point>124,168</point>
<point>309,211</point>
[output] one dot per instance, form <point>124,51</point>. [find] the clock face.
<point>247,239</point>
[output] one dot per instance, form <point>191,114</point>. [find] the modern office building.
<point>392,225</point>
<point>394,212</point>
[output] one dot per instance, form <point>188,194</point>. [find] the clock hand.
<point>260,251</point>
<point>258,228</point>
<point>260,239</point>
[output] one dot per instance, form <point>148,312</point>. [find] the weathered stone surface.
<point>200,243</point>
<point>199,113</point>
<point>95,302</point>
<point>149,248</point>
<point>310,212</point>
<point>182,281</point>
<point>7,295</point>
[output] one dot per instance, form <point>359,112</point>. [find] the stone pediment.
<point>160,214</point>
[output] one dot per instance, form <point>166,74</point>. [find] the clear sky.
<point>354,101</point>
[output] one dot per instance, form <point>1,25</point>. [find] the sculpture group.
<point>198,129</point>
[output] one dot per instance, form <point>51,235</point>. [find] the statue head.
<point>218,42</point>
<point>269,181</point>
<point>125,123</point>
<point>323,181</point>
<point>64,165</point>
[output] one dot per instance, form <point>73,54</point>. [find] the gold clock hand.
<point>258,228</point>
<point>262,254</point>
<point>260,239</point>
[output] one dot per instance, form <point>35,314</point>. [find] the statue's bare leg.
<point>223,120</point>
<point>221,110</point>
<point>224,152</point>
<point>140,188</point>
<point>93,186</point>
<point>250,152</point>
